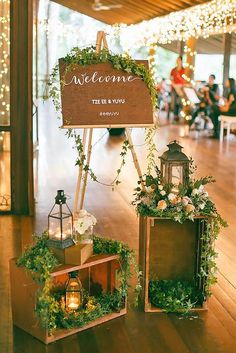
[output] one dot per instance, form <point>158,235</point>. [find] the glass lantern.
<point>60,223</point>
<point>174,166</point>
<point>74,292</point>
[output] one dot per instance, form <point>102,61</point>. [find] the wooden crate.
<point>99,268</point>
<point>169,250</point>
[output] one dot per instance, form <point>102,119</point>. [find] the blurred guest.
<point>211,90</point>
<point>227,108</point>
<point>177,80</point>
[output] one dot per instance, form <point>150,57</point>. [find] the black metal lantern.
<point>60,223</point>
<point>174,166</point>
<point>74,292</point>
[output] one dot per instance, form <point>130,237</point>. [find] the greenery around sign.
<point>50,307</point>
<point>89,56</point>
<point>191,200</point>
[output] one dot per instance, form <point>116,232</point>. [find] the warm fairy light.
<point>4,60</point>
<point>214,17</point>
<point>185,102</point>
<point>152,55</point>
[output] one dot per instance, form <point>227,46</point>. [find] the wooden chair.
<point>226,122</point>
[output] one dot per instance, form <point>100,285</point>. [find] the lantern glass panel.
<point>74,296</point>
<point>177,174</point>
<point>60,229</point>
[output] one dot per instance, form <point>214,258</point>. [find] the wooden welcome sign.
<point>100,96</point>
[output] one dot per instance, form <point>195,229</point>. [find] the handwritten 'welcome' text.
<point>96,78</point>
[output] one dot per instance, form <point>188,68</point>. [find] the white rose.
<point>163,193</point>
<point>82,213</point>
<point>195,192</point>
<point>160,187</point>
<point>171,196</point>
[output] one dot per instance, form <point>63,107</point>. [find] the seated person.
<point>211,90</point>
<point>229,107</point>
<point>200,111</point>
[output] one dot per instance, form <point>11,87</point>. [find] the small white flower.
<point>171,196</point>
<point>201,188</point>
<point>205,194</point>
<point>163,193</point>
<point>202,206</point>
<point>160,187</point>
<point>195,192</point>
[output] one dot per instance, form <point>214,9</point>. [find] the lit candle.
<point>73,303</point>
<point>60,236</point>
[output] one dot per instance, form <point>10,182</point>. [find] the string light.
<point>188,76</point>
<point>4,60</point>
<point>152,56</point>
<point>214,17</point>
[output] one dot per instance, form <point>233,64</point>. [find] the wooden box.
<point>169,250</point>
<point>77,254</point>
<point>100,269</point>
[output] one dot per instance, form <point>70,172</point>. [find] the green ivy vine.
<point>89,56</point>
<point>52,314</point>
<point>173,295</point>
<point>190,201</point>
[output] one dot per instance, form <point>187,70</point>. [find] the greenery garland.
<point>191,200</point>
<point>173,295</point>
<point>89,56</point>
<point>51,312</point>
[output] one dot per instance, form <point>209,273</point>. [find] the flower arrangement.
<point>84,221</point>
<point>159,200</point>
<point>83,226</point>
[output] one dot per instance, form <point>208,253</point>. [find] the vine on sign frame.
<point>89,56</point>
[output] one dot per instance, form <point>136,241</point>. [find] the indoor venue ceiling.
<point>131,11</point>
<point>211,45</point>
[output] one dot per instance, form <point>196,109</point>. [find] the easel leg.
<point>89,151</point>
<point>76,202</point>
<point>135,158</point>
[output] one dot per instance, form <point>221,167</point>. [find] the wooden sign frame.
<point>101,96</point>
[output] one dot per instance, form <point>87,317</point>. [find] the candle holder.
<point>60,223</point>
<point>174,166</point>
<point>74,292</point>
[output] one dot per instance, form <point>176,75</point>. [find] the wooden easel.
<point>87,146</point>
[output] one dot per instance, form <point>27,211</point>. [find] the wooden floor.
<point>213,331</point>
